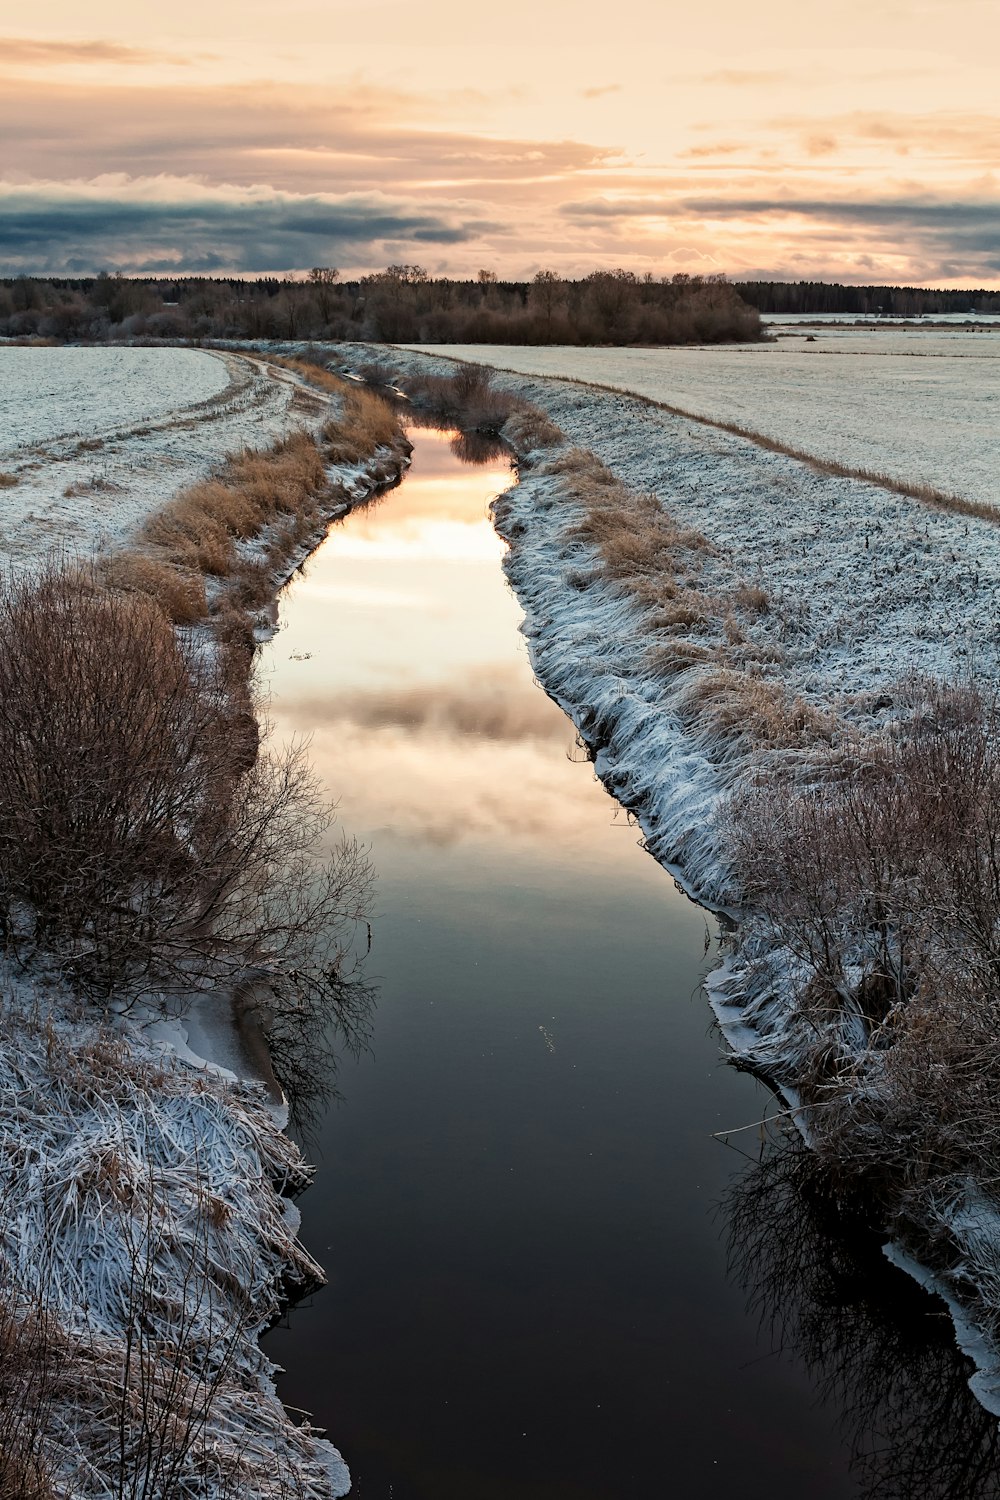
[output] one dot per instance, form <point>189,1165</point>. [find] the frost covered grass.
<point>914,405</point>
<point>99,439</point>
<point>144,1242</point>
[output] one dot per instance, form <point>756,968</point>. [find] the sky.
<point>853,140</point>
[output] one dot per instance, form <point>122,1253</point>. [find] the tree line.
<point>865,301</point>
<point>400,304</point>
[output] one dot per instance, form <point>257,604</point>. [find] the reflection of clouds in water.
<point>361,596</point>
<point>420,539</point>
<point>498,705</point>
<point>440,787</point>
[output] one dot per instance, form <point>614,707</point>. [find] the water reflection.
<point>307,1046</point>
<point>477,448</point>
<point>878,1347</point>
<point>413,703</point>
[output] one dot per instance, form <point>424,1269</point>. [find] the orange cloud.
<point>21,51</point>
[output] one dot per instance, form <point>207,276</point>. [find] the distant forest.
<point>403,304</point>
<point>399,305</point>
<point>889,301</point>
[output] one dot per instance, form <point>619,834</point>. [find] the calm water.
<point>547,1279</point>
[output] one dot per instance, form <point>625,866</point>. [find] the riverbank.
<point>149,1236</point>
<point>720,638</point>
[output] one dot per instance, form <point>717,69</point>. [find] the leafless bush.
<point>28,1363</point>
<point>142,843</point>
<point>8,481</point>
<point>883,883</point>
<point>468,398</point>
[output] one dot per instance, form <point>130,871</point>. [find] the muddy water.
<point>547,1278</point>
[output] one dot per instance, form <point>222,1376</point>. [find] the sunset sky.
<point>855,141</point>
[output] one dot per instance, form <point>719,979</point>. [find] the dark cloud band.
<point>60,233</point>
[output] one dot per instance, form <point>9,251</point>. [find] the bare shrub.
<point>468,398</point>
<point>883,882</point>
<point>8,481</point>
<point>141,847</point>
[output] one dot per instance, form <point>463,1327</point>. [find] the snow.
<point>920,404</point>
<point>98,438</point>
<point>865,586</point>
<point>59,393</point>
<point>119,1154</point>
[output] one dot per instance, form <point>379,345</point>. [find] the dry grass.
<point>180,592</point>
<point>735,706</point>
<point>8,481</point>
<point>97,484</point>
<point>313,374</point>
<point>753,599</point>
<point>529,430</point>
<point>673,658</point>
<point>198,529</point>
<point>368,423</point>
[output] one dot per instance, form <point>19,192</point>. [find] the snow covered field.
<point>922,405</point>
<point>97,438</point>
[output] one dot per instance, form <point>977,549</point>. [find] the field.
<point>94,439</point>
<point>920,404</point>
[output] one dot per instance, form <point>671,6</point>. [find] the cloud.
<point>720,148</point>
<point>740,78</point>
<point>171,223</point>
<point>22,51</point>
<point>597,209</point>
<point>600,90</point>
<point>305,139</point>
<point>948,135</point>
<point>499,707</point>
<point>917,213</point>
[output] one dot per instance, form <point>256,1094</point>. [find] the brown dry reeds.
<point>736,706</point>
<point>313,374</point>
<point>180,592</point>
<point>368,423</point>
<point>8,481</point>
<point>198,528</point>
